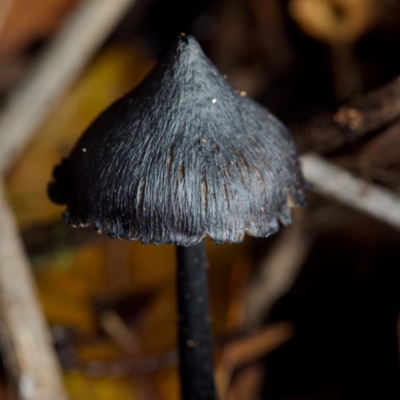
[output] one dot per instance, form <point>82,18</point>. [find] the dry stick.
<point>126,339</point>
<point>26,342</point>
<point>25,339</point>
<point>247,350</point>
<point>336,183</point>
<point>364,114</point>
<point>55,70</point>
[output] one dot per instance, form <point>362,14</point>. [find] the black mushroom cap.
<point>182,156</point>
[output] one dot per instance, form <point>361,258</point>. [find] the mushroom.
<point>340,24</point>
<point>180,157</point>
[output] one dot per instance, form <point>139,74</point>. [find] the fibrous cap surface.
<point>182,156</point>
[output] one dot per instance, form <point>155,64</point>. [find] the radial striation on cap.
<point>180,157</point>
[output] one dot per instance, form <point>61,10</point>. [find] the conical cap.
<point>180,157</point>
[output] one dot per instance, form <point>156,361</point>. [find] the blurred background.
<point>308,314</point>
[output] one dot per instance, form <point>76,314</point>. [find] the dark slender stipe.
<point>195,340</point>
<point>181,157</point>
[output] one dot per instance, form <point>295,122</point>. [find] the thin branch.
<point>26,341</point>
<point>55,70</point>
<point>362,115</point>
<point>335,183</point>
<point>249,349</point>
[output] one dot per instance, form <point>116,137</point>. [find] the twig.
<point>55,70</point>
<point>364,114</point>
<point>336,183</point>
<point>129,342</point>
<point>247,383</point>
<point>126,339</point>
<point>246,350</point>
<point>25,339</point>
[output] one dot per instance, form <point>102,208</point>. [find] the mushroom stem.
<point>195,339</point>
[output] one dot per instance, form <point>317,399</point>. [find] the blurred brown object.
<point>5,8</point>
<point>28,21</point>
<point>116,329</point>
<point>248,349</point>
<point>335,21</point>
<point>128,340</point>
<point>341,23</point>
<point>247,383</point>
